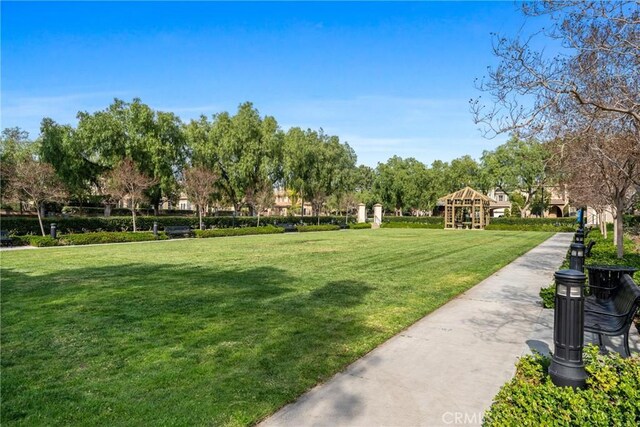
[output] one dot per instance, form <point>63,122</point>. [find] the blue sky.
<point>389,78</point>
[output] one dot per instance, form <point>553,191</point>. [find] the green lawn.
<point>217,331</point>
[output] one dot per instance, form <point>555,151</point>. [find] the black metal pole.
<point>54,231</point>
<point>155,228</point>
<point>567,367</point>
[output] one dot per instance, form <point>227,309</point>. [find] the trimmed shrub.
<point>411,225</point>
<point>109,237</point>
<point>29,225</point>
<point>37,241</point>
<point>612,396</point>
<point>306,228</point>
<point>532,224</point>
<point>415,219</point>
<point>222,232</point>
<point>360,226</point>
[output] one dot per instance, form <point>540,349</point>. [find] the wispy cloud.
<point>378,127</point>
<point>28,111</point>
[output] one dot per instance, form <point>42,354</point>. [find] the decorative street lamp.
<point>54,231</point>
<point>567,367</point>
<point>155,229</point>
<point>576,258</point>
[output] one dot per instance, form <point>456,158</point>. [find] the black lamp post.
<point>155,228</point>
<point>567,367</point>
<point>54,231</point>
<point>576,257</point>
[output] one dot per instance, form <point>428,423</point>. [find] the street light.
<point>567,367</point>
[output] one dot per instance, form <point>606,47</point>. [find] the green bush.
<point>109,237</point>
<point>221,232</point>
<point>28,225</point>
<point>411,225</point>
<point>612,396</point>
<point>37,241</point>
<point>532,224</point>
<point>305,228</point>
<point>360,226</point>
<point>415,219</point>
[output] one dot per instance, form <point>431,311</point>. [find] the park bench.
<point>613,316</point>
<point>5,240</point>
<point>178,230</point>
<point>590,245</point>
<point>288,227</point>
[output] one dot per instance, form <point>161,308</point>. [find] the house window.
<point>501,198</point>
<point>183,206</point>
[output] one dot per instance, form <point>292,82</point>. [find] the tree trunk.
<point>40,219</point>
<point>133,214</point>
<point>200,217</point>
<point>301,207</point>
<point>618,229</point>
<point>258,225</point>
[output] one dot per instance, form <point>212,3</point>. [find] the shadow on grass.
<point>198,343</point>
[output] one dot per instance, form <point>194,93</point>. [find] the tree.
<point>244,149</point>
<point>603,180</point>
<point>199,183</point>
<point>404,184</point>
<point>72,158</point>
<point>589,87</point>
<point>594,73</point>
<point>154,140</point>
<point>15,146</point>
<point>261,197</point>
<point>125,182</point>
<point>36,182</point>
<point>518,166</point>
<point>317,166</point>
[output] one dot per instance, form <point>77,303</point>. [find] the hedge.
<point>28,225</point>
<point>415,219</point>
<point>410,225</point>
<point>612,396</point>
<point>306,228</point>
<point>221,232</point>
<point>533,224</point>
<point>109,237</point>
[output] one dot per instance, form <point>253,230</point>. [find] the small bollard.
<point>567,366</point>
<point>576,257</point>
<point>155,229</point>
<point>54,231</point>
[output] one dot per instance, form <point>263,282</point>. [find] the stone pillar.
<point>362,213</point>
<point>377,215</point>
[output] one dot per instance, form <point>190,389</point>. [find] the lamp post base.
<point>567,374</point>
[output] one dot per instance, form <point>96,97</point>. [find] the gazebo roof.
<point>467,193</point>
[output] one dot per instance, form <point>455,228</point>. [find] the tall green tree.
<point>518,167</point>
<point>245,150</point>
<point>153,140</point>
<point>404,184</point>
<point>75,161</point>
<point>15,146</point>
<point>317,166</point>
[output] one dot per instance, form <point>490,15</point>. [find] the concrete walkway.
<point>446,368</point>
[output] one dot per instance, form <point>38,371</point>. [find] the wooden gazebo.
<point>466,208</point>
